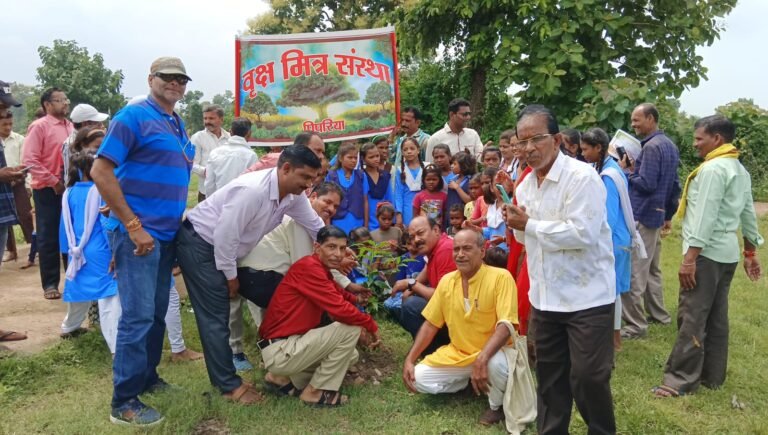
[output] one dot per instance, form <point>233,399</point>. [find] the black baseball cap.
<point>5,95</point>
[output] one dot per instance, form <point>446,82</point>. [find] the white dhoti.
<point>437,380</point>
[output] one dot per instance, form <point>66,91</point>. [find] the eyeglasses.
<point>178,78</point>
<point>63,101</point>
<point>535,140</point>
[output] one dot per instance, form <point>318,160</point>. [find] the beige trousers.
<point>645,290</point>
<point>321,357</point>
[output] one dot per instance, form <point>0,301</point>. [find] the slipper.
<point>329,399</point>
<point>663,392</point>
<point>244,395</point>
<point>288,389</point>
<point>52,294</point>
<point>12,336</point>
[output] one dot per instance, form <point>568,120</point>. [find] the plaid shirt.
<point>7,205</point>
<point>654,186</point>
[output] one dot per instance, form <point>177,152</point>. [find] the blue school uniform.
<point>447,180</point>
<point>93,281</point>
<point>454,198</point>
<point>622,240</point>
<point>404,195</point>
<point>410,269</point>
<point>350,213</point>
<point>378,192</point>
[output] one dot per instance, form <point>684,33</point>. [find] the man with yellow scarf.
<point>716,200</point>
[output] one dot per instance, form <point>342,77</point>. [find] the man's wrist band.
<point>688,264</point>
<point>750,253</point>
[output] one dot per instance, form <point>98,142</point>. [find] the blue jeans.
<point>144,284</point>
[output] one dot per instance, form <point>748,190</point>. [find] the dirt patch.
<point>761,208</point>
<point>211,426</point>
<point>372,367</point>
<point>23,308</point>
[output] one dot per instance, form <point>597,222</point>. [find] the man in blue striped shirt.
<point>142,172</point>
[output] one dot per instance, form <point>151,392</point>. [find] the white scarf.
<point>413,183</point>
<point>638,247</point>
<point>77,259</point>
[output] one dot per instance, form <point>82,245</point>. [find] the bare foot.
<point>277,379</point>
<point>186,355</point>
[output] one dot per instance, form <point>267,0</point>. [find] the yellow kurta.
<point>492,298</point>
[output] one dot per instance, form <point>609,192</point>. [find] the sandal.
<point>663,392</point>
<point>245,394</point>
<point>329,399</point>
<point>12,336</point>
<point>288,389</point>
<point>52,294</point>
<point>28,265</point>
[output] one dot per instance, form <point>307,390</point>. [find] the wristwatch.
<point>411,283</point>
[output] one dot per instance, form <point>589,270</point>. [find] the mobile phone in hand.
<point>504,195</point>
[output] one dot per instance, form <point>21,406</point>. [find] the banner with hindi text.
<point>342,85</point>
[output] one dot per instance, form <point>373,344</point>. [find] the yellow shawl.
<point>723,151</point>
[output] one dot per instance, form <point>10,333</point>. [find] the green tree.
<point>261,105</point>
<point>29,96</point>
<point>83,77</point>
<point>317,91</point>
<point>751,124</point>
<point>297,16</point>
<point>556,51</point>
<point>378,93</point>
<point>191,110</point>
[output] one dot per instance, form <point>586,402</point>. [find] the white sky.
<point>131,34</point>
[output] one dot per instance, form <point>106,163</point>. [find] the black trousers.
<point>207,289</point>
<point>574,357</point>
<point>258,286</point>
<point>48,216</point>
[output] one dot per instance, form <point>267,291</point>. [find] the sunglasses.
<point>178,78</point>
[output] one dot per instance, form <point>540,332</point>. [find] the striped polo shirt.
<point>153,158</point>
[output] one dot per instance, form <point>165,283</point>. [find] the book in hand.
<point>624,143</point>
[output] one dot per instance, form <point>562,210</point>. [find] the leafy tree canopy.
<point>83,77</point>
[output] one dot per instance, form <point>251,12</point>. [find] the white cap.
<point>86,112</point>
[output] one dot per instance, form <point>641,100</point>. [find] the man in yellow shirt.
<point>474,302</point>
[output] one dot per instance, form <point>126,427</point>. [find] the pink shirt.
<point>42,148</point>
<point>268,161</point>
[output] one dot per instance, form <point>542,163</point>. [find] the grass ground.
<point>67,388</point>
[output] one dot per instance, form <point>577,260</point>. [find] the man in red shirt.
<point>301,357</point>
<point>42,153</point>
<point>438,248</point>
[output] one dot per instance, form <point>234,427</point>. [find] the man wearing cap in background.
<point>42,152</point>
<point>83,115</point>
<point>205,141</point>
<point>8,175</point>
<point>142,171</point>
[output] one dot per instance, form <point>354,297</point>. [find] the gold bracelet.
<point>133,225</point>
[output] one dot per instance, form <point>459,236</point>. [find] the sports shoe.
<point>241,362</point>
<point>134,413</point>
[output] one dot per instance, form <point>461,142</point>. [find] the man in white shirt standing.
<point>561,220</point>
<point>225,164</point>
<point>205,141</point>
<point>455,134</point>
<point>228,161</point>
